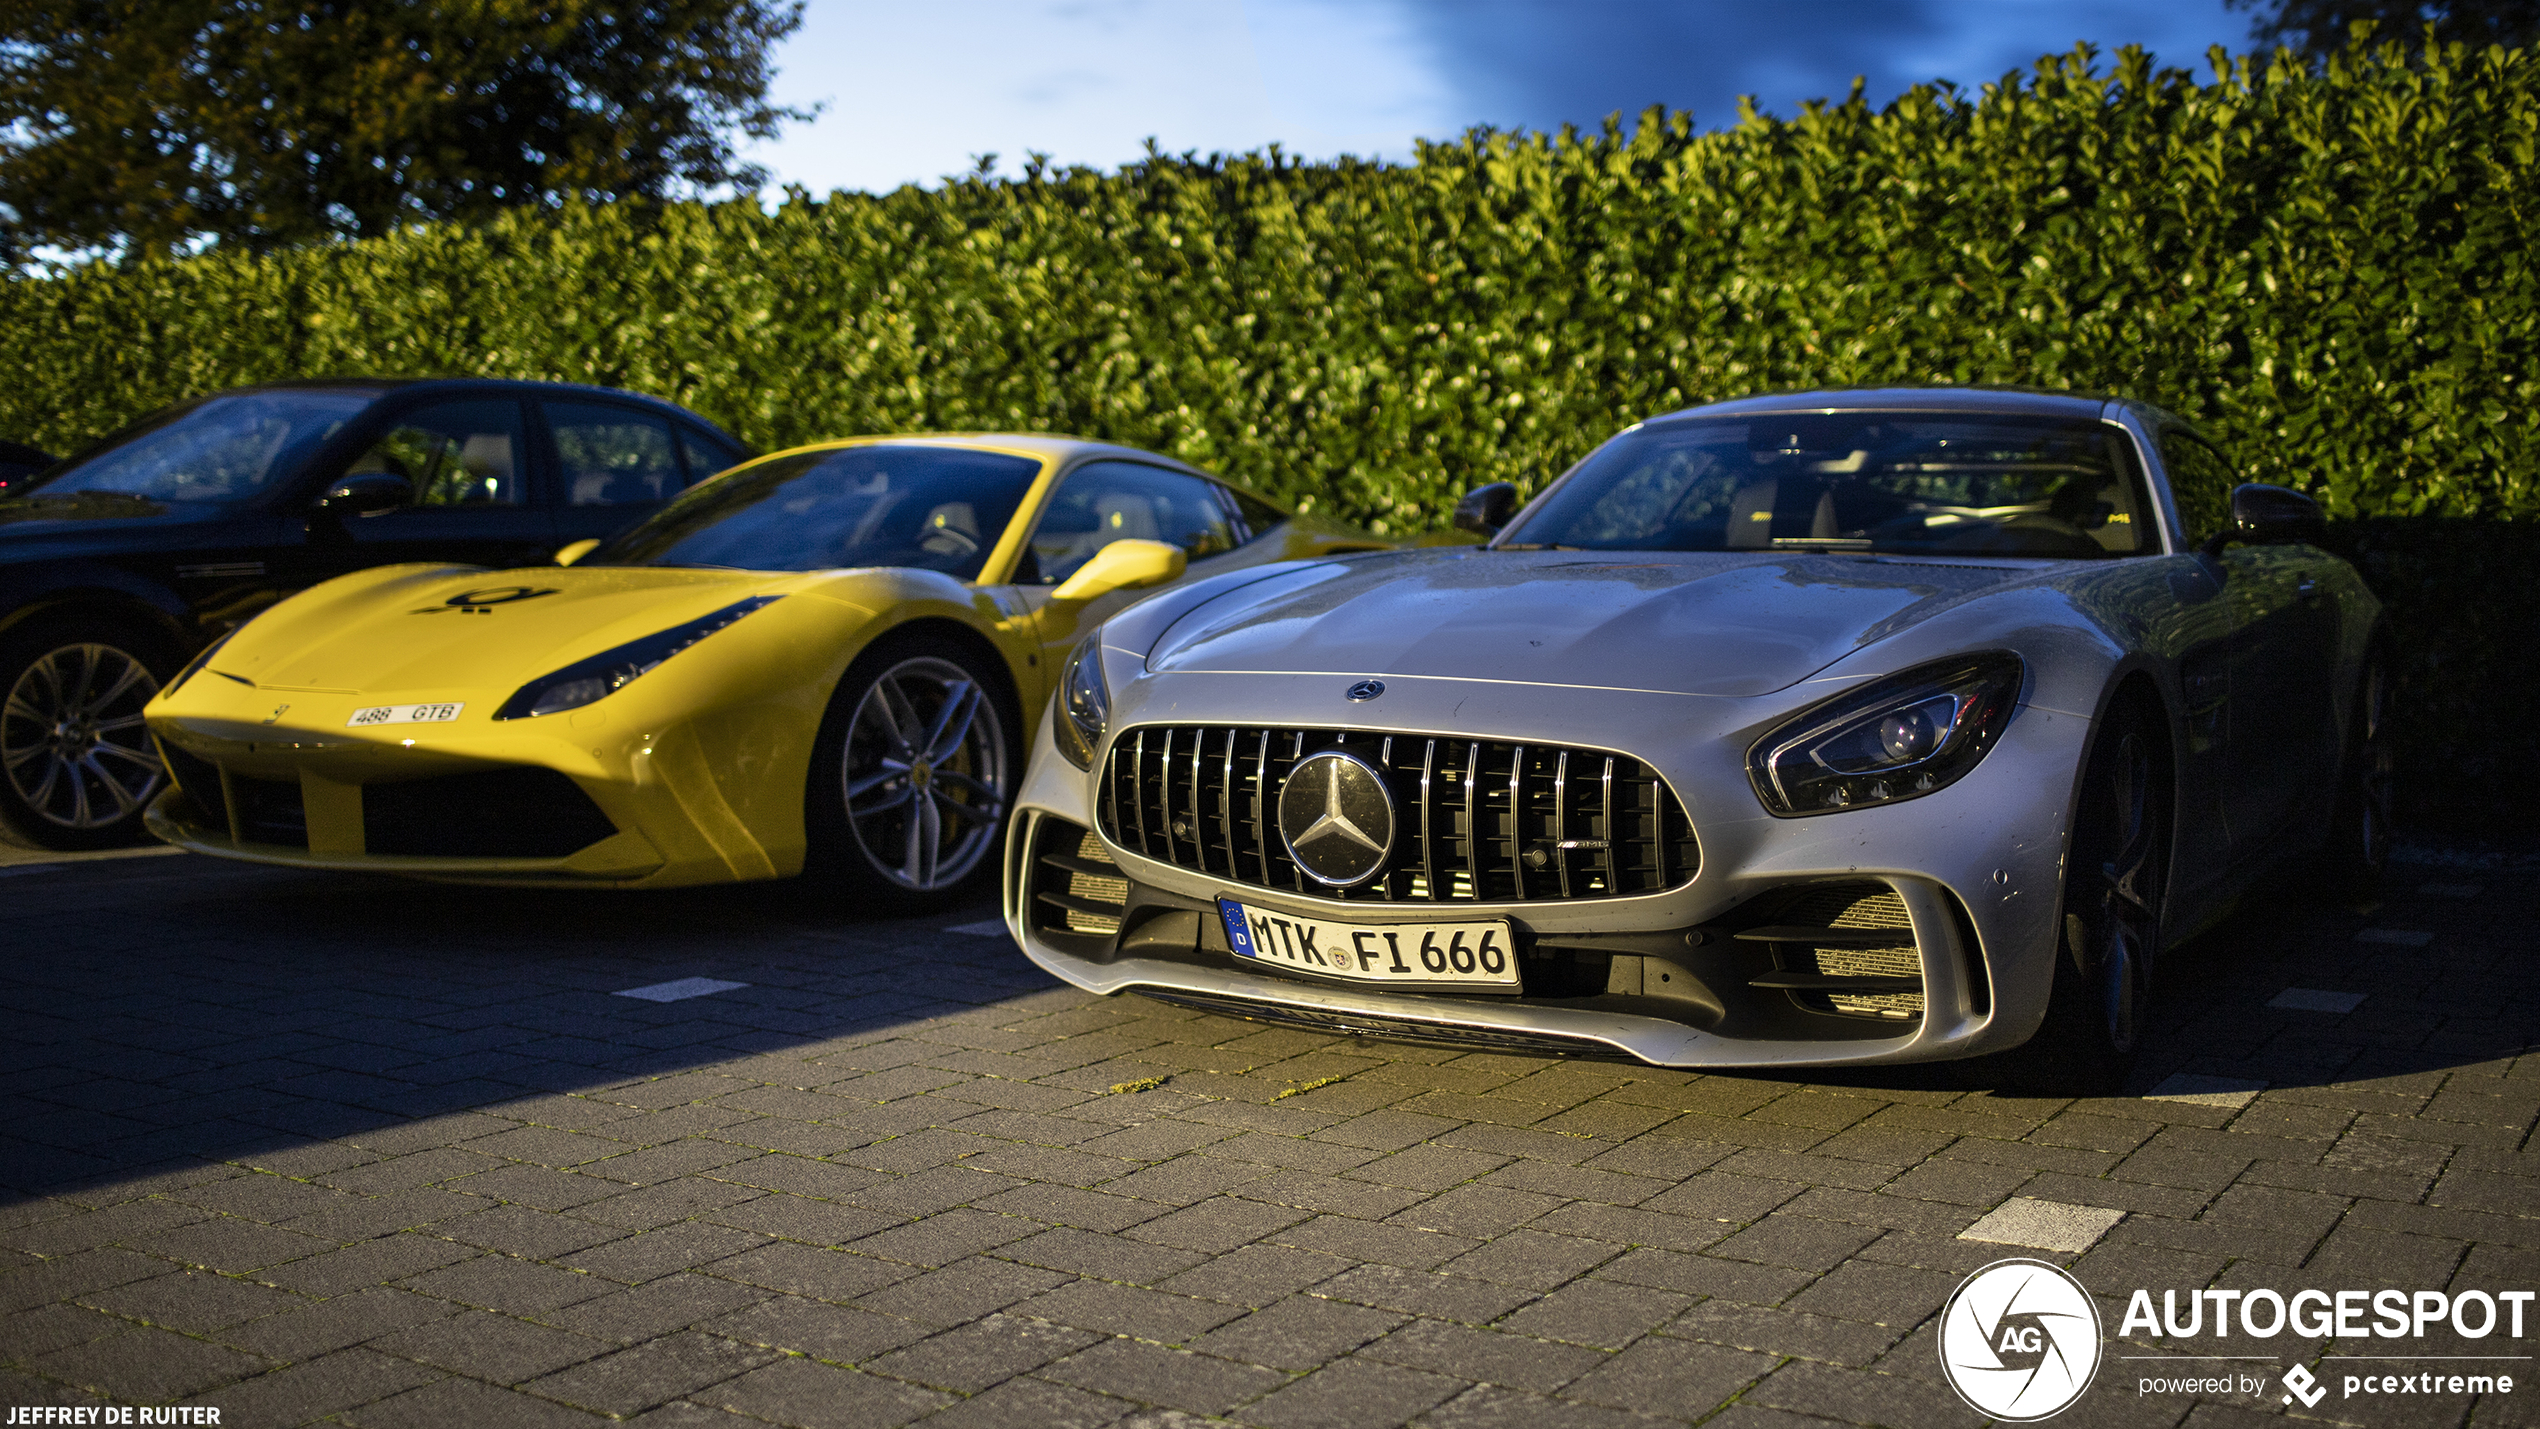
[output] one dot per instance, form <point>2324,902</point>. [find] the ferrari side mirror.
<point>366,493</point>
<point>1123,565</point>
<point>1485,509</point>
<point>2265,515</point>
<point>569,554</point>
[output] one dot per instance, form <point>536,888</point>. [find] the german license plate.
<point>1478,955</point>
<point>403,714</point>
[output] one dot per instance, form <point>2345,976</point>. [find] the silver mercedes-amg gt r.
<point>1832,727</point>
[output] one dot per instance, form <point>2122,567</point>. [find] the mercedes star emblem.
<point>1365,690</point>
<point>1336,817</point>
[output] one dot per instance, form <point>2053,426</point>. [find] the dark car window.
<point>454,454</point>
<point>223,448</point>
<point>1106,501</point>
<point>613,456</point>
<point>706,454</point>
<point>1900,482</point>
<point>2200,481</point>
<point>1258,515</point>
<point>937,508</point>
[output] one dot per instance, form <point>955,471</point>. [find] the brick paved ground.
<point>311,1149</point>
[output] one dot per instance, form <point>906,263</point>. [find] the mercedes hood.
<point>1724,623</point>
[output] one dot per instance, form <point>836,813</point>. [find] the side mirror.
<point>1485,509</point>
<point>569,554</point>
<point>367,493</point>
<point>2270,516</point>
<point>1123,565</point>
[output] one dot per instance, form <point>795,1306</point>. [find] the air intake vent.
<point>520,812</point>
<point>1858,908</point>
<point>1076,888</point>
<point>1474,820</point>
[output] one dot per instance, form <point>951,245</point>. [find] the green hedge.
<point>2332,271</point>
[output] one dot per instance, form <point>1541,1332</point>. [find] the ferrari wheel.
<point>914,776</point>
<point>2111,924</point>
<point>76,764</point>
<point>2358,850</point>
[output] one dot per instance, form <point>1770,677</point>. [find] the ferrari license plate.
<point>403,714</point>
<point>1476,955</point>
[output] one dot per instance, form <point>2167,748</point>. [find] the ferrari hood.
<point>404,627</point>
<point>1727,623</point>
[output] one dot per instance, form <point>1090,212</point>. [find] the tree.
<point>2318,27</point>
<point>150,125</point>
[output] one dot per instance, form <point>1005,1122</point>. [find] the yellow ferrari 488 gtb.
<point>826,659</point>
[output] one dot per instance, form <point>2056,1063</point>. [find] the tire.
<point>2357,854</point>
<point>77,768</point>
<point>2114,883</point>
<point>895,826</point>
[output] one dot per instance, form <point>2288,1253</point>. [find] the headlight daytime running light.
<point>606,673</point>
<point>1899,738</point>
<point>1084,703</point>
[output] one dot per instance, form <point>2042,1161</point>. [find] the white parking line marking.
<point>2312,999</point>
<point>2234,1092</point>
<point>2450,890</point>
<point>684,988</point>
<point>2047,1225</point>
<point>992,928</point>
<point>2400,937</point>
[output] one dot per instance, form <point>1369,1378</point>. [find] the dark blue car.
<point>118,564</point>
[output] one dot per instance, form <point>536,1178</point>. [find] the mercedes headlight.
<point>606,673</point>
<point>1898,738</point>
<point>1084,703</point>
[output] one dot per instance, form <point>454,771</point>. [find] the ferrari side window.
<point>454,454</point>
<point>613,456</point>
<point>1106,501</point>
<point>1257,515</point>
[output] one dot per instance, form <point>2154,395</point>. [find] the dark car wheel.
<point>913,777</point>
<point>76,764</point>
<point>2111,920</point>
<point>2358,850</point>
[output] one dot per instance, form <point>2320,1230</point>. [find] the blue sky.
<point>912,89</point>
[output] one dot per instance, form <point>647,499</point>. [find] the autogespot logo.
<point>2020,1340</point>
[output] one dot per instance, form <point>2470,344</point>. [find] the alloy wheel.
<point>2123,912</point>
<point>2377,778</point>
<point>72,740</point>
<point>925,777</point>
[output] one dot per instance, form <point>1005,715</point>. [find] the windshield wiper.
<point>1536,546</point>
<point>1823,543</point>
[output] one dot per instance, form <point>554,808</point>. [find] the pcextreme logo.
<point>2019,1340</point>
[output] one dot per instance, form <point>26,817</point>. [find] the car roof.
<point>382,386</point>
<point>2030,400</point>
<point>1065,450</point>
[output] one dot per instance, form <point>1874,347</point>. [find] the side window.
<point>613,456</point>
<point>706,454</point>
<point>2200,480</point>
<point>1106,501</point>
<point>1258,515</point>
<point>454,454</point>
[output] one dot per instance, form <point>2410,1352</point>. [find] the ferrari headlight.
<point>606,673</point>
<point>1899,738</point>
<point>1084,703</point>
